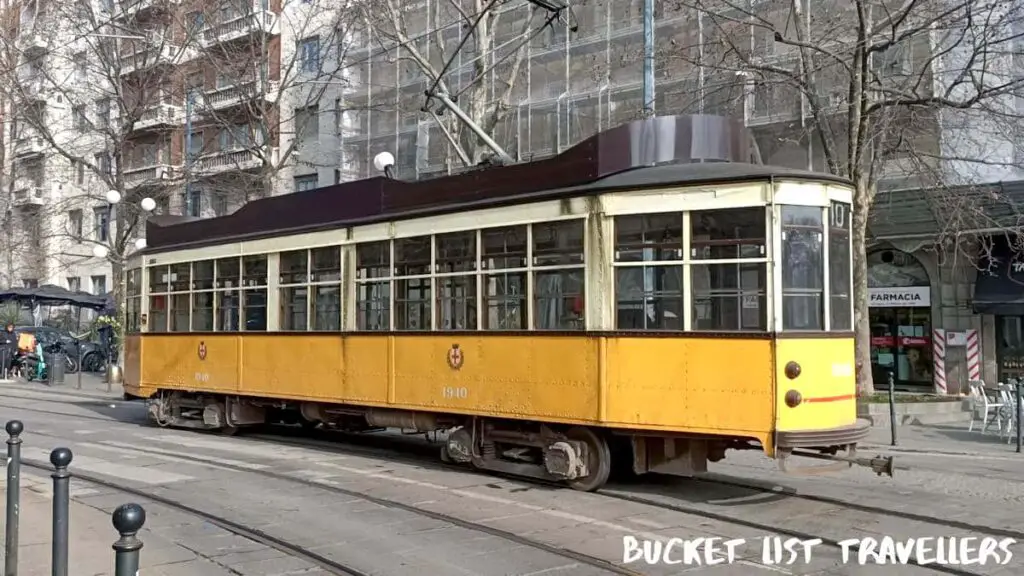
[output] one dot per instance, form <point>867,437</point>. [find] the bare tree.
<point>471,52</point>
<point>193,110</point>
<point>921,91</point>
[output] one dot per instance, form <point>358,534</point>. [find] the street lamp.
<point>384,162</point>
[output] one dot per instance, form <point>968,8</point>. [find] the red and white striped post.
<point>973,356</point>
<point>939,360</point>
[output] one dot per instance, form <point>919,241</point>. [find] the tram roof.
<point>658,152</point>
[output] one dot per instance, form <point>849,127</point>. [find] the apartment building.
<point>200,106</point>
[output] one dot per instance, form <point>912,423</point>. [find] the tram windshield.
<point>816,268</point>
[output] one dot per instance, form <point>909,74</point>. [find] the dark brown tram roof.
<point>661,151</point>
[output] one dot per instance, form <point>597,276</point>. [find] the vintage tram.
<point>648,298</point>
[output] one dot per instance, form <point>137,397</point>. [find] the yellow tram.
<point>556,317</point>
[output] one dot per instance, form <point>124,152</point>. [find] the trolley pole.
<point>892,407</point>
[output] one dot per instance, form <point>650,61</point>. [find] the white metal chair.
<point>1008,393</point>
<point>983,405</point>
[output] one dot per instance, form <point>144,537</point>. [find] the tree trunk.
<point>117,293</point>
<point>861,321</point>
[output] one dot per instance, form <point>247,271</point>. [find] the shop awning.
<point>999,288</point>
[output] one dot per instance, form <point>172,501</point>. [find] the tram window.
<point>839,267</point>
<point>255,310</point>
<point>802,268</point>
<point>558,243</point>
<point>227,311</point>
<point>326,307</point>
<point>202,275</point>
<point>729,297</point>
<point>180,281</point>
<point>159,279</point>
<point>180,312</point>
<point>649,237</point>
<point>559,302</point>
<point>412,295</point>
<point>202,311</point>
<point>294,299</point>
<point>158,313</point>
<point>294,267</point>
<point>326,264</point>
<point>649,297</point>
<point>504,290</point>
<point>254,294</point>
<point>133,300</point>
<point>229,271</point>
<point>728,234</point>
<point>456,295</point>
<point>503,248</point>
<point>373,289</point>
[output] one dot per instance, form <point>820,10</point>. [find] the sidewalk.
<point>91,535</point>
<point>943,439</point>
<point>93,387</point>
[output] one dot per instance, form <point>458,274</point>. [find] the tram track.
<point>424,459</point>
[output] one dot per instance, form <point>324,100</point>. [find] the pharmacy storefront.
<point>900,312</point>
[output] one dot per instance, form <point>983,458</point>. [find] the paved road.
<point>229,477</point>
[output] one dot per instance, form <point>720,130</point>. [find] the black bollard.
<point>60,458</point>
<point>892,407</point>
<point>128,520</point>
<point>14,430</point>
<point>1017,415</point>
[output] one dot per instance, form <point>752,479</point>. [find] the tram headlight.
<point>793,399</point>
<point>792,370</point>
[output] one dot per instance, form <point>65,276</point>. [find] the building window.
<point>74,283</point>
<point>75,228</point>
<point>102,160</point>
<point>307,126</point>
<point>99,285</point>
<point>81,63</point>
<point>101,219</point>
<point>30,282</point>
<point>306,183</point>
<point>79,119</point>
<point>79,168</point>
<point>195,144</point>
<point>103,113</point>
<point>194,202</point>
<point>309,54</point>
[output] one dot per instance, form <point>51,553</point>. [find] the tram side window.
<point>802,268</point>
<point>412,283</point>
<point>294,291</point>
<point>729,269</point>
<point>202,296</point>
<point>254,293</point>
<point>455,268</point>
<point>373,286</point>
<point>227,280</point>
<point>503,263</point>
<point>159,286</point>
<point>649,272</point>
<point>133,300</point>
<point>325,274</point>
<point>181,299</point>
<point>558,277</point>
<point>839,267</point>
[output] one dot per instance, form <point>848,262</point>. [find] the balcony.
<point>217,162</point>
<point>258,21</point>
<point>132,8</point>
<point>31,42</point>
<point>29,145</point>
<point>161,115</point>
<point>147,174</point>
<point>162,53</point>
<point>28,193</point>
<point>222,98</point>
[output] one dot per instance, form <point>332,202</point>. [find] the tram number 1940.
<point>457,393</point>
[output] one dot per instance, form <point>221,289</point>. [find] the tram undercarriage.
<point>582,457</point>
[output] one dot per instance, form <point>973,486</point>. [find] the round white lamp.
<point>140,243</point>
<point>383,161</point>
<point>100,251</point>
<point>148,204</point>
<point>113,196</point>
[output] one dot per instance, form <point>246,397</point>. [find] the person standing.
<point>9,349</point>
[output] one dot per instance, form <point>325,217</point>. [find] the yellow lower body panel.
<point>718,386</point>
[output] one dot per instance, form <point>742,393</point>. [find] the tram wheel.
<point>599,459</point>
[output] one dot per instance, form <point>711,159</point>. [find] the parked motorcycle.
<point>34,366</point>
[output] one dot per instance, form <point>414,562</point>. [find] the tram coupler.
<point>879,464</point>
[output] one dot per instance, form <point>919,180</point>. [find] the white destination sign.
<point>914,296</point>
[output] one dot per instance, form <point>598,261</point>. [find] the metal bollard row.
<point>128,519</point>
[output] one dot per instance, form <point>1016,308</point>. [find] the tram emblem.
<point>455,357</point>
<point>202,350</point>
